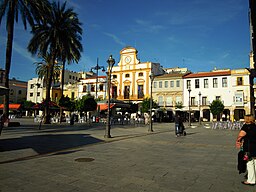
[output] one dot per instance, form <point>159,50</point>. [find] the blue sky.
<point>197,34</point>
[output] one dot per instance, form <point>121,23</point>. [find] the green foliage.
<point>87,103</point>
<point>145,105</point>
<point>42,68</point>
<point>29,11</point>
<point>60,35</point>
<point>216,107</point>
<point>179,105</point>
<point>28,104</point>
<point>66,103</point>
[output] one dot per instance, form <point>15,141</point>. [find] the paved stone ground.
<point>78,158</point>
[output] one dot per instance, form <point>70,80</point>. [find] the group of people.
<point>246,142</point>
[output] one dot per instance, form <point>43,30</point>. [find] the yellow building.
<point>131,77</point>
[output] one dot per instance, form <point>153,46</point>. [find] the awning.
<point>11,106</point>
<point>104,106</point>
<point>52,105</point>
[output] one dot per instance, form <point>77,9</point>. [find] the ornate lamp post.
<point>199,105</point>
<point>111,62</point>
<point>189,115</point>
<point>97,68</point>
<point>151,76</point>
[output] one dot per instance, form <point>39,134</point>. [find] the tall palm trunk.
<point>10,29</point>
<point>62,86</point>
<point>48,91</point>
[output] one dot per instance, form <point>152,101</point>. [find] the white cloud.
<point>116,39</point>
<point>23,52</point>
<point>148,26</point>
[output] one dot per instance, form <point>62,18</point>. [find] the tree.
<point>42,68</point>
<point>51,36</point>
<point>66,103</point>
<point>179,105</point>
<point>27,106</point>
<point>216,107</point>
<point>145,105</point>
<point>31,11</point>
<point>87,103</point>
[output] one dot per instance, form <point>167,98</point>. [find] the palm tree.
<point>42,68</point>
<point>59,26</point>
<point>30,11</point>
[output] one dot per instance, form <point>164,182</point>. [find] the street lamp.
<point>151,76</point>
<point>199,105</point>
<point>97,68</point>
<point>189,115</point>
<point>111,62</point>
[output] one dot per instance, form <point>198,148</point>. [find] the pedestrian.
<point>246,140</point>
<point>178,125</point>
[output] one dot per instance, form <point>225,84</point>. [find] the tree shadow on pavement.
<point>49,143</point>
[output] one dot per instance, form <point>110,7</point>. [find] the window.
<point>160,84</point>
<point>188,84</point>
<point>215,83</point>
<point>101,87</point>
<point>126,92</point>
<point>178,83</point>
<point>140,92</point>
<point>141,74</point>
<point>193,101</point>
<point>114,76</point>
<point>127,75</point>
<point>166,84</point>
<point>206,83</point>
<point>155,84</point>
<point>178,99</point>
<point>31,86</point>
<point>84,88</point>
<point>11,91</point>
<point>160,101</point>
<point>73,95</point>
<point>19,92</point>
<point>92,88</point>
<point>31,94</point>
<point>238,99</point>
<point>38,94</point>
<point>224,82</point>
<point>239,80</point>
<point>70,76</point>
<point>169,101</point>
<point>172,83</point>
<point>197,83</point>
<point>204,100</point>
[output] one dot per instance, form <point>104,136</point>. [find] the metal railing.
<point>236,125</point>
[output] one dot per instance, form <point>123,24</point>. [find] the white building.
<point>232,87</point>
<point>95,85</point>
<point>35,90</point>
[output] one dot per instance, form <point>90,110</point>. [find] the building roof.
<point>207,74</point>
<point>169,75</point>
